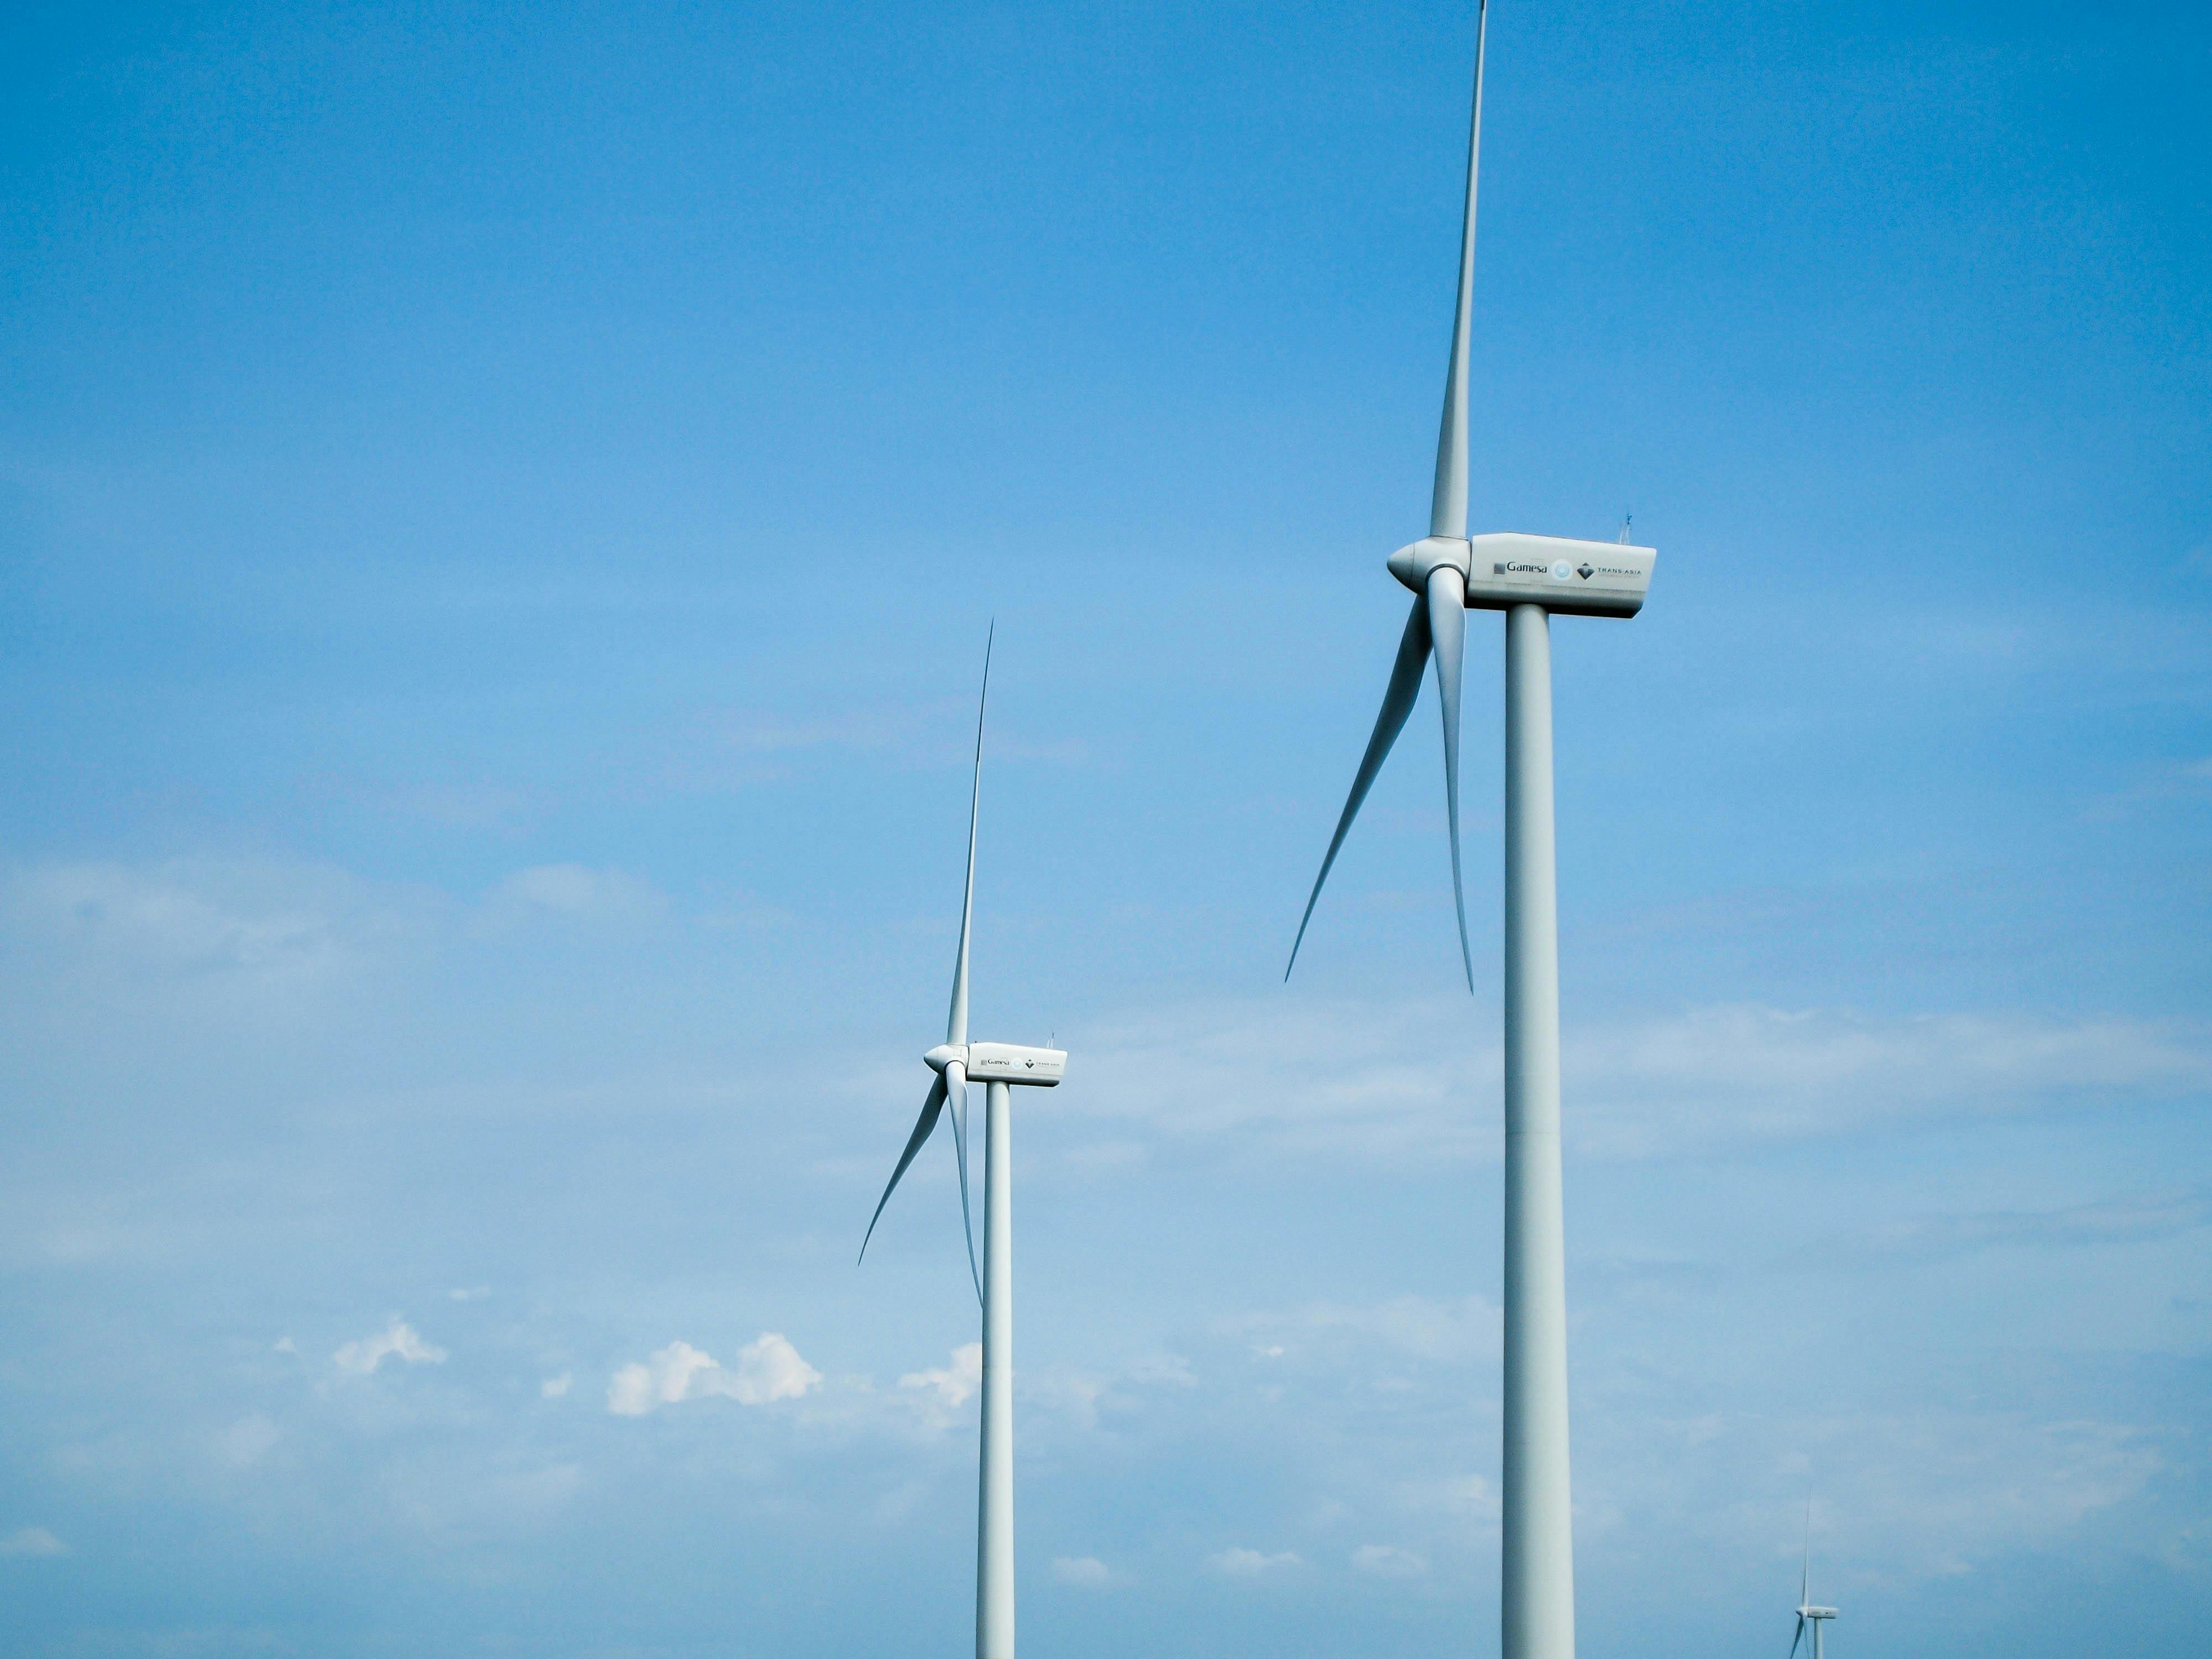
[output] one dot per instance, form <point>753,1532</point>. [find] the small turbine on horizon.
<point>1001,1067</point>
<point>1807,1613</point>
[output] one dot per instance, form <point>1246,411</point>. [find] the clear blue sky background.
<point>499,508</point>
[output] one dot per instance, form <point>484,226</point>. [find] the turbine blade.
<point>922,1126</point>
<point>956,1087</point>
<point>1447,507</point>
<point>1798,1638</point>
<point>956,1021</point>
<point>1805,1584</point>
<point>1397,704</point>
<point>1447,600</point>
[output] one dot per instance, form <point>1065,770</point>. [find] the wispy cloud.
<point>1389,1561</point>
<point>1451,1332</point>
<point>1747,1071</point>
<point>31,1541</point>
<point>187,919</point>
<point>1925,1494</point>
<point>488,807</point>
<point>1083,1572</point>
<point>1370,1081</point>
<point>1241,1562</point>
<point>2189,780</point>
<point>2113,1221</point>
<point>854,729</point>
<point>572,893</point>
<point>248,1440</point>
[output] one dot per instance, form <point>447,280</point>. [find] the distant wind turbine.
<point>1000,1067</point>
<point>1807,1613</point>
<point>1529,578</point>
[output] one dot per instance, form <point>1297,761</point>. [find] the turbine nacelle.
<point>1505,569</point>
<point>1000,1063</point>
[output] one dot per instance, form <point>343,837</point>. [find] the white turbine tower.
<point>1001,1067</point>
<point>1529,578</point>
<point>1807,1613</point>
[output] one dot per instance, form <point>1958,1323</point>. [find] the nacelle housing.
<point>1506,568</point>
<point>1003,1062</point>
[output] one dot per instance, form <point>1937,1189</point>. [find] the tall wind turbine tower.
<point>1001,1067</point>
<point>1531,579</point>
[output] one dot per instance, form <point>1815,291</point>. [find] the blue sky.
<point>499,510</point>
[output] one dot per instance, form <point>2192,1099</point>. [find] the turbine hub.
<point>944,1054</point>
<point>1411,563</point>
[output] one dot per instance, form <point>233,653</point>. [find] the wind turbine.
<point>1530,579</point>
<point>1807,1613</point>
<point>1001,1067</point>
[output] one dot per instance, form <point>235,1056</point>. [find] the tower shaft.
<point>994,1542</point>
<point>1538,1578</point>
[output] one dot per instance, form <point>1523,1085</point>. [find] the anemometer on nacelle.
<point>1574,578</point>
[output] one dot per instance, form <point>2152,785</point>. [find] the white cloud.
<point>1083,1571</point>
<point>768,1368</point>
<point>554,1387</point>
<point>31,1541</point>
<point>953,1384</point>
<point>283,1345</point>
<point>1389,1561</point>
<point>475,1293</point>
<point>398,1339</point>
<point>1241,1562</point>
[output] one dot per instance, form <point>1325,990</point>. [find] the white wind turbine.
<point>1807,1613</point>
<point>1529,577</point>
<point>1001,1067</point>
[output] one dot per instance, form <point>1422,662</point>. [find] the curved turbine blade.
<point>1800,1637</point>
<point>1447,600</point>
<point>1448,506</point>
<point>1397,704</point>
<point>922,1126</point>
<point>956,1087</point>
<point>956,1021</point>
